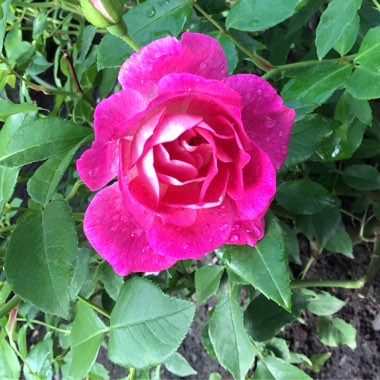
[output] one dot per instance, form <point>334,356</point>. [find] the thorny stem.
<point>93,306</point>
<point>37,322</point>
<point>73,74</point>
<point>374,264</point>
<point>11,304</point>
<point>348,284</point>
<point>260,62</point>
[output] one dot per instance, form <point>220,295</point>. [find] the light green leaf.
<point>153,323</point>
<point>39,360</point>
<point>8,108</point>
<point>335,21</point>
<point>291,243</point>
<point>8,179</point>
<point>43,184</point>
<point>319,360</point>
<point>364,80</point>
<point>229,338</point>
<point>207,280</point>
<point>264,266</point>
<point>85,338</point>
<point>323,303</point>
<point>178,365</point>
<point>80,271</point>
<point>257,15</point>
<point>264,318</point>
<point>146,22</point>
<point>340,242</point>
<point>6,12</point>
<point>39,258</point>
<point>272,368</point>
<point>315,85</point>
<point>346,41</point>
<point>335,331</point>
<point>279,348</point>
<point>305,197</point>
<point>9,364</point>
<point>360,109</point>
<point>112,281</point>
<point>38,140</point>
<point>362,177</point>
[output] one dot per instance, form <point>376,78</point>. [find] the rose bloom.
<point>195,154</point>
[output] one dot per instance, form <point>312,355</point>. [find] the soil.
<point>361,310</point>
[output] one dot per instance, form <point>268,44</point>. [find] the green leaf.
<point>85,338</point>
<point>307,134</point>
<point>323,303</point>
<point>305,197</point>
<point>146,22</point>
<point>335,22</point>
<point>6,12</point>
<point>320,226</point>
<point>178,365</point>
<point>38,140</point>
<point>253,16</point>
<point>361,177</point>
<point>39,360</point>
<point>39,258</point>
<point>335,331</point>
<point>229,50</point>
<point>360,109</point>
<point>313,86</point>
<point>291,243</point>
<point>361,84</point>
<point>112,281</point>
<point>272,368</point>
<point>229,339</point>
<point>43,184</point>
<point>264,266</point>
<point>8,179</point>
<point>264,318</point>
<point>340,242</point>
<point>319,360</point>
<point>347,40</point>
<point>8,108</point>
<point>153,321</point>
<point>80,271</point>
<point>279,348</point>
<point>9,364</point>
<point>207,280</point>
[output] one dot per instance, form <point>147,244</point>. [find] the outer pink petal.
<point>247,232</point>
<point>113,115</point>
<point>210,230</point>
<point>195,53</point>
<point>259,178</point>
<point>114,235</point>
<point>99,164</point>
<point>267,121</point>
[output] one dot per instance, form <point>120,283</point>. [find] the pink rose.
<point>194,152</point>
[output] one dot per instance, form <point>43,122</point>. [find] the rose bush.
<point>195,153</point>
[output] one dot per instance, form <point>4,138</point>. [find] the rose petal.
<point>114,235</point>
<point>259,186</point>
<point>267,121</point>
<point>99,164</point>
<point>210,230</point>
<point>195,53</point>
<point>247,232</point>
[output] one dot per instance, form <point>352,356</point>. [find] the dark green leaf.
<point>153,321</point>
<point>264,318</point>
<point>259,15</point>
<point>346,41</point>
<point>112,281</point>
<point>360,109</point>
<point>207,280</point>
<point>85,338</point>
<point>340,242</point>
<point>8,178</point>
<point>323,303</point>
<point>361,177</point>
<point>229,338</point>
<point>291,243</point>
<point>305,197</point>
<point>335,22</point>
<point>39,360</point>
<point>264,266</point>
<point>39,258</point>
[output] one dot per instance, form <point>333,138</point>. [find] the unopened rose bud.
<point>102,13</point>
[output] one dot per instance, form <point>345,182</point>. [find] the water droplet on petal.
<point>236,227</point>
<point>211,240</point>
<point>170,244</point>
<point>259,92</point>
<point>283,149</point>
<point>222,67</point>
<point>223,227</point>
<point>141,81</point>
<point>269,122</point>
<point>249,96</point>
<point>93,172</point>
<point>186,246</point>
<point>234,238</point>
<point>267,139</point>
<point>114,228</point>
<point>202,66</point>
<point>281,133</point>
<point>189,89</point>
